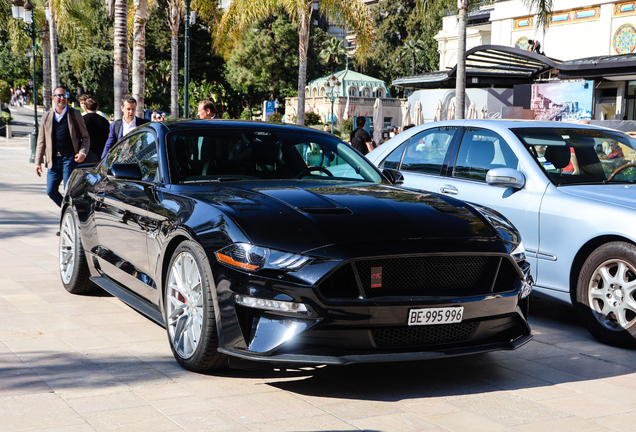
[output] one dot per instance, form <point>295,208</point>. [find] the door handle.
<point>449,189</point>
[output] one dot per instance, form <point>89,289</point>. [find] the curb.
<point>22,143</point>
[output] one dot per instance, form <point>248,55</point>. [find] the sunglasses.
<point>61,96</point>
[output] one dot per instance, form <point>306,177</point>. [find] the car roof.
<point>173,125</point>
<point>513,124</point>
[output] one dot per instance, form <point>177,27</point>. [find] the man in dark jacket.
<point>360,138</point>
<point>63,142</point>
<point>97,126</point>
<point>120,128</point>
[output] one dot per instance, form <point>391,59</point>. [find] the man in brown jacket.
<point>63,142</point>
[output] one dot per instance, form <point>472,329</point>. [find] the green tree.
<point>12,66</point>
<point>95,77</point>
<point>333,53</point>
<point>352,14</point>
<point>412,49</point>
<point>264,64</point>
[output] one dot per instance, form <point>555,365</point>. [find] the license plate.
<point>434,316</point>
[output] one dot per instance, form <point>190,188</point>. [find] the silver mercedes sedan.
<point>570,189</point>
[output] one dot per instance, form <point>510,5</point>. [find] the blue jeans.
<point>61,170</point>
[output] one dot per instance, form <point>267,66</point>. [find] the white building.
<point>578,29</point>
<point>589,42</point>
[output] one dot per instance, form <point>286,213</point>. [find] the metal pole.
<point>186,68</point>
<point>331,119</point>
<point>34,136</point>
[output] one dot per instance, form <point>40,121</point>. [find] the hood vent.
<point>325,210</point>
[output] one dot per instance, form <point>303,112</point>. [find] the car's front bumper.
<point>343,331</point>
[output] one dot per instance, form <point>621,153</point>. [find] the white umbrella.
<point>450,114</point>
<point>438,111</point>
<point>378,120</point>
<point>417,113</point>
<point>472,111</point>
<point>483,112</point>
<point>406,117</point>
<point>345,115</point>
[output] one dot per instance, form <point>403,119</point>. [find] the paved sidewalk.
<point>73,363</point>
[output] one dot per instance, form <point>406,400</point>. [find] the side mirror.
<point>395,177</point>
<point>126,171</point>
<point>506,178</point>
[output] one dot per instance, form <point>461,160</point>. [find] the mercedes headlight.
<point>251,257</point>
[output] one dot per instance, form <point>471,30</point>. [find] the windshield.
<point>582,156</point>
<point>224,154</point>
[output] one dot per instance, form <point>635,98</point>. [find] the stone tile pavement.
<point>74,364</point>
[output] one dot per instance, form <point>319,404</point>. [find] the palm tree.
<point>46,68</point>
<point>139,16</point>
<point>208,14</point>
<point>333,52</point>
<point>412,47</point>
<point>351,14</point>
<point>174,12</point>
<point>55,70</point>
<point>120,72</point>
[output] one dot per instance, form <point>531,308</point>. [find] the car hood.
<point>331,214</point>
<point>617,194</point>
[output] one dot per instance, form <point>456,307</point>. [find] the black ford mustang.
<point>282,244</point>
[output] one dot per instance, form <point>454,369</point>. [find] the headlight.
<point>504,227</point>
<point>251,257</point>
<point>519,254</point>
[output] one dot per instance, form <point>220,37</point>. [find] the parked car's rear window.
<point>579,156</point>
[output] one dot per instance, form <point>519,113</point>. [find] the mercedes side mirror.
<point>506,178</point>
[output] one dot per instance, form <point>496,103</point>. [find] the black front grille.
<point>429,275</point>
<point>422,335</point>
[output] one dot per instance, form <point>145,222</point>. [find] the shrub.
<point>5,91</point>
<point>275,118</point>
<point>346,127</point>
<point>311,118</point>
<point>5,117</point>
<point>246,114</point>
<point>226,115</point>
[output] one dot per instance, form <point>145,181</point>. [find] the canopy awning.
<point>487,65</point>
<point>504,66</point>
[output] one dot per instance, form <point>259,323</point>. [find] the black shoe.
<point>57,233</point>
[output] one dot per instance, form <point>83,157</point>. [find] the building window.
<point>322,91</point>
<point>353,91</point>
<point>379,93</point>
<point>366,92</point>
<point>314,92</point>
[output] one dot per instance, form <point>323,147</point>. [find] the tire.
<point>189,308</point>
<point>73,266</point>
<point>606,294</point>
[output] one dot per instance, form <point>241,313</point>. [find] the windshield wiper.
<point>219,179</point>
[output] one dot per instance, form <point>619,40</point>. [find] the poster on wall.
<point>561,101</point>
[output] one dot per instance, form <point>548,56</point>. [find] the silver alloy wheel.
<point>611,294</point>
<point>184,305</point>
<point>67,247</point>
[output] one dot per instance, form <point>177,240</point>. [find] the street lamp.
<point>332,95</point>
<point>24,12</point>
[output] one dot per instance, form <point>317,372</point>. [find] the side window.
<point>393,160</point>
<point>141,150</point>
<point>426,151</point>
<point>480,151</point>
